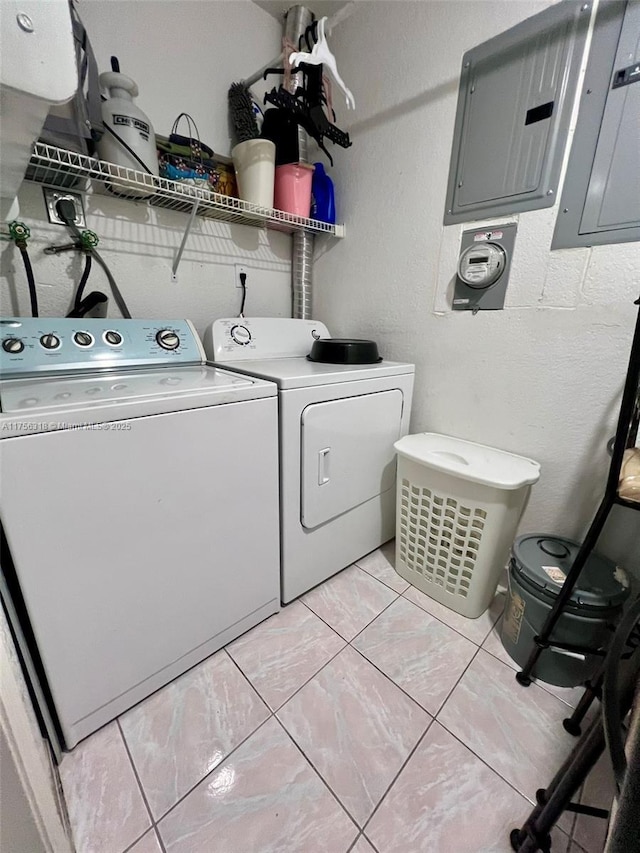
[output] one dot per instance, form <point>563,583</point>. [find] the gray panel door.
<point>613,195</point>
<point>514,105</point>
<point>502,153</point>
<point>600,201</point>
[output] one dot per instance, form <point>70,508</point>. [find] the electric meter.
<point>481,266</point>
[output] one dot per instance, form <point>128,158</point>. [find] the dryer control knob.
<point>240,335</point>
<point>168,339</point>
<point>113,338</point>
<point>12,345</point>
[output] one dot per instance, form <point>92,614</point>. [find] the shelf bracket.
<point>185,236</point>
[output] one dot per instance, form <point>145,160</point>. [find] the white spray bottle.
<point>128,139</point>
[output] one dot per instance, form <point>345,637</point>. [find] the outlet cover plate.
<point>238,269</point>
<point>53,196</point>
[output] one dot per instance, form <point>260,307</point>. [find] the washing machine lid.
<point>302,373</point>
<point>34,405</point>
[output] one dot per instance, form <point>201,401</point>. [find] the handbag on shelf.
<point>188,160</point>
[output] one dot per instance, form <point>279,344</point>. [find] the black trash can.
<point>537,570</point>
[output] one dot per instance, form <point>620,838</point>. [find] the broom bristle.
<point>241,112</point>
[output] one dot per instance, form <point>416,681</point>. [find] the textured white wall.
<point>542,377</point>
<point>183,55</point>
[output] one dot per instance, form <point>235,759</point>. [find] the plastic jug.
<point>129,139</point>
<point>323,203</point>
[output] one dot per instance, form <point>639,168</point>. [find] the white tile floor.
<point>364,717</point>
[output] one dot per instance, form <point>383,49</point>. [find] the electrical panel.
<point>601,193</point>
<point>514,105</point>
<point>483,268</point>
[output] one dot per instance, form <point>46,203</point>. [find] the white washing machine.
<point>338,424</point>
<point>139,504</point>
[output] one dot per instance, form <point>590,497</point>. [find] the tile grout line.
<point>273,713</point>
<point>161,843</point>
<point>298,689</point>
<point>144,834</point>
<point>493,624</point>
<point>213,770</point>
<point>433,717</point>
<point>462,674</point>
<point>486,763</point>
<point>348,644</point>
<point>335,631</point>
<point>249,682</point>
<point>493,769</point>
<point>154,822</point>
<point>395,684</point>
<point>369,624</point>
<point>139,782</point>
<point>479,647</point>
<point>388,585</point>
<point>306,758</point>
<point>541,684</point>
<point>395,778</point>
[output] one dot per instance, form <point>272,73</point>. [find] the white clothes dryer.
<point>338,424</point>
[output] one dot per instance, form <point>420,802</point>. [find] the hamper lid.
<point>544,561</point>
<point>469,461</point>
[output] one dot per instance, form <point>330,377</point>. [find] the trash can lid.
<point>469,461</point>
<point>544,561</point>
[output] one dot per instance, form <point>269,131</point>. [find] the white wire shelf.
<point>61,168</point>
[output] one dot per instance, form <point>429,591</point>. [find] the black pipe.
<point>83,282</point>
<point>86,305</point>
<point>33,296</point>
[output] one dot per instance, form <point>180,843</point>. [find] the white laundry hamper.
<point>457,511</point>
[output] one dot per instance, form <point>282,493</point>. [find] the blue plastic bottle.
<point>323,202</point>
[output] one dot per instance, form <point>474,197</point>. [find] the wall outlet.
<point>238,269</point>
<point>52,197</point>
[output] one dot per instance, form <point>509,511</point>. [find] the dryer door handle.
<point>323,466</point>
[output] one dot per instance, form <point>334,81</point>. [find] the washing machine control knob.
<point>83,339</point>
<point>12,345</point>
<point>168,339</point>
<point>50,341</point>
<point>112,337</point>
<point>240,335</point>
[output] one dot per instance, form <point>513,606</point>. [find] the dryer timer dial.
<point>240,335</point>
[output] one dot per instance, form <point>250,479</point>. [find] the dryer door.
<point>347,453</point>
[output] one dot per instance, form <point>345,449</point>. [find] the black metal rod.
<point>593,691</point>
<point>627,407</point>
<point>585,550</point>
<point>591,811</point>
<point>558,795</point>
<point>553,801</point>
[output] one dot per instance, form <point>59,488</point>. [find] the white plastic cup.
<point>255,162</point>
